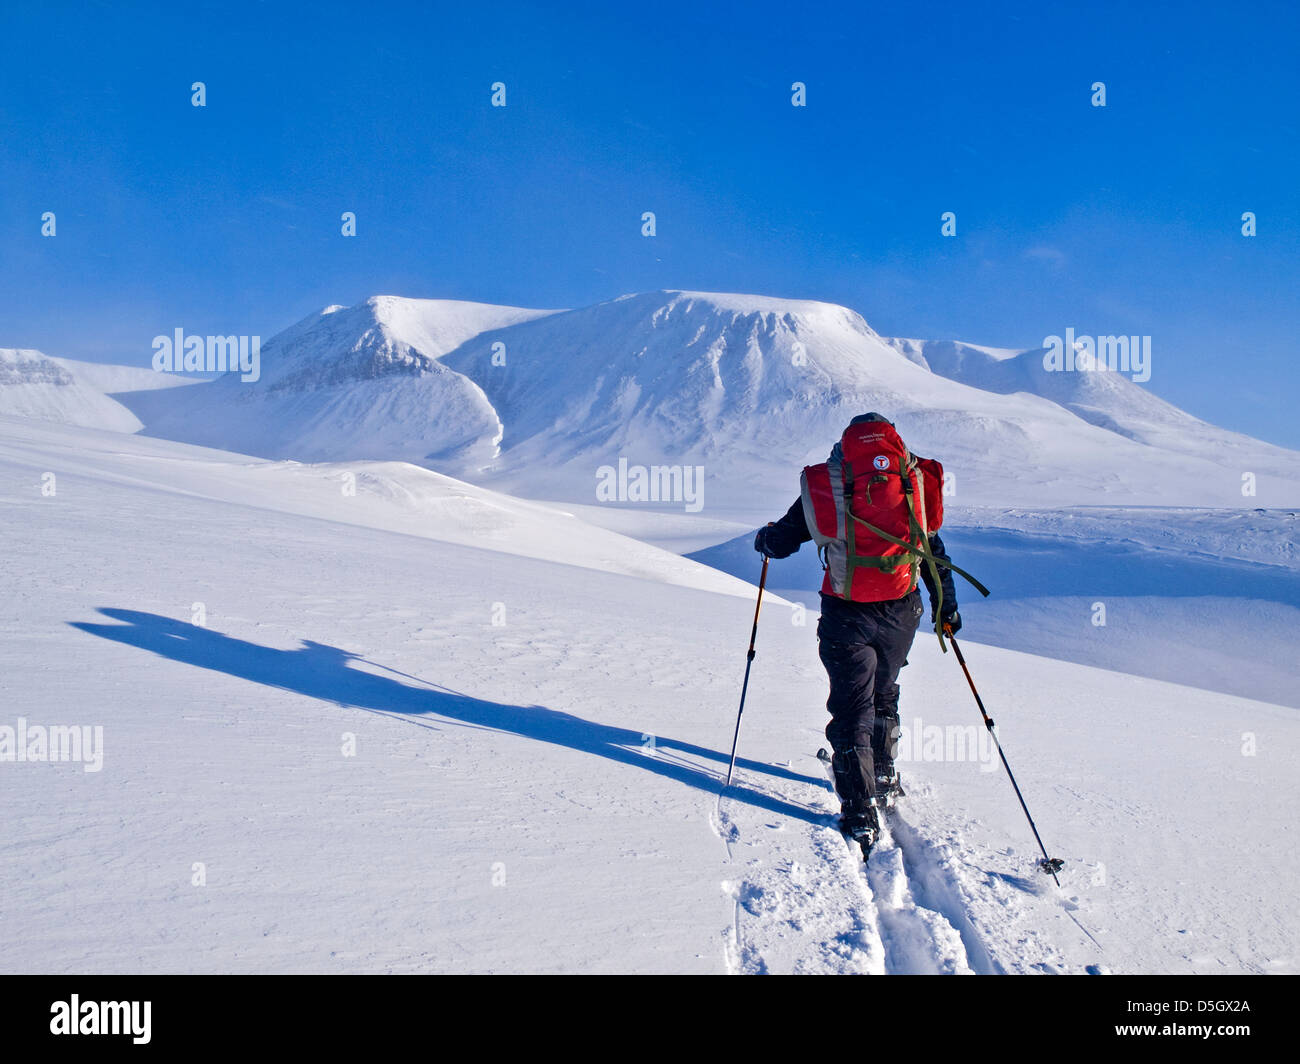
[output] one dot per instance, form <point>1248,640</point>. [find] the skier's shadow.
<point>324,672</point>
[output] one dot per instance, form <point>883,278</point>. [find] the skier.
<point>874,510</point>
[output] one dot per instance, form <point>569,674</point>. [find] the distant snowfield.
<point>539,743</point>
<point>112,379</point>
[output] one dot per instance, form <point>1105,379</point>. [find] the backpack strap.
<point>851,559</point>
<point>915,531</point>
<point>921,550</point>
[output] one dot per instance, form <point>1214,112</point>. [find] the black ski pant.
<point>863,646</point>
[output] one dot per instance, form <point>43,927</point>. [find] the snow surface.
<point>544,794</point>
<point>394,496</point>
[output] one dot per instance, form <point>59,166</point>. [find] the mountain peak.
<point>743,305</point>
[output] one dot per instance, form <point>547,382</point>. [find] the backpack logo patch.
<point>880,461</point>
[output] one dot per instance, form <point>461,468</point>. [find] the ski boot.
<point>884,744</point>
<point>862,826</point>
<point>889,787</point>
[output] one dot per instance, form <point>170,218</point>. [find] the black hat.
<point>872,416</point>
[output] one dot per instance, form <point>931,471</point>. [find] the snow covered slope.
<point>111,379</point>
<point>1207,598</point>
<point>349,383</point>
<point>36,386</point>
<point>71,392</point>
<point>1109,400</point>
<point>392,496</point>
<point>747,388</point>
<point>321,753</point>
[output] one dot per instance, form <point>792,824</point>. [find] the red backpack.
<point>871,510</point>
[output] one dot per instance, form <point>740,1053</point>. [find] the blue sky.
<point>1115,220</point>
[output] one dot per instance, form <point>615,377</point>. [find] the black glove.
<point>760,543</point>
<point>951,620</point>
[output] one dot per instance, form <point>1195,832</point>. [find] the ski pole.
<point>1050,865</point>
<point>749,660</point>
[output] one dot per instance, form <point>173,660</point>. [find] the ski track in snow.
<point>794,915</point>
<point>935,891</point>
<point>918,940</point>
<point>915,908</point>
<point>836,916</point>
<point>985,905</point>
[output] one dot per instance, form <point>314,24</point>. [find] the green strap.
<point>918,550</point>
<point>922,550</point>
<point>888,563</point>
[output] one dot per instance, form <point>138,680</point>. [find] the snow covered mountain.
<point>351,383</point>
<point>70,392</point>
<point>34,385</point>
<point>1109,400</point>
<point>746,388</point>
<point>539,710</point>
